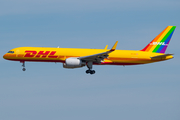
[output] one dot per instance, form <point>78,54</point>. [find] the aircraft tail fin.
<point>160,43</point>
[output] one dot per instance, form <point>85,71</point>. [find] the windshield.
<point>10,51</point>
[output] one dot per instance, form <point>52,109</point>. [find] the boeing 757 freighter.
<point>76,57</point>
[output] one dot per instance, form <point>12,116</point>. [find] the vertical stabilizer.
<point>160,43</point>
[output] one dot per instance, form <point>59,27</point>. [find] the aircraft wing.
<point>99,57</point>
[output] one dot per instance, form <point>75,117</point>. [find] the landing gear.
<point>90,71</point>
<point>89,65</point>
<point>24,69</point>
<point>23,65</point>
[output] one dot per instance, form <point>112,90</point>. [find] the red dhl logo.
<point>42,54</point>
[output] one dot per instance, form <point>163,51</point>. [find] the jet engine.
<point>73,63</point>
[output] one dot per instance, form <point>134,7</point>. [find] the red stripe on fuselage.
<point>64,61</point>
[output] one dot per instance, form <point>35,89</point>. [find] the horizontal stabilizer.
<point>161,56</point>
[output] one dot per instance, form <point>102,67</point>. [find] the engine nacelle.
<point>73,63</point>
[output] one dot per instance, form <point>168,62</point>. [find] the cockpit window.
<point>10,51</point>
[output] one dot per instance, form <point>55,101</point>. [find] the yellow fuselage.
<point>117,57</point>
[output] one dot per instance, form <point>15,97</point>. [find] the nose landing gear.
<point>24,69</point>
<point>23,65</point>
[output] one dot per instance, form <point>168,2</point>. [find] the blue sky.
<point>47,91</point>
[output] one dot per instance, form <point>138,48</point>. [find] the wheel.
<point>24,69</point>
<point>88,71</point>
<point>92,72</point>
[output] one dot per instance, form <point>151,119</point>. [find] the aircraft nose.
<point>4,56</point>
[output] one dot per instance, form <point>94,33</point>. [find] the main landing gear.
<point>90,71</point>
<point>23,65</point>
<point>89,65</point>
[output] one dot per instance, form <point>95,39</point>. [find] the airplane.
<point>78,57</point>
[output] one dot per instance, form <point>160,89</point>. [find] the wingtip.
<point>106,47</point>
<point>114,47</point>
